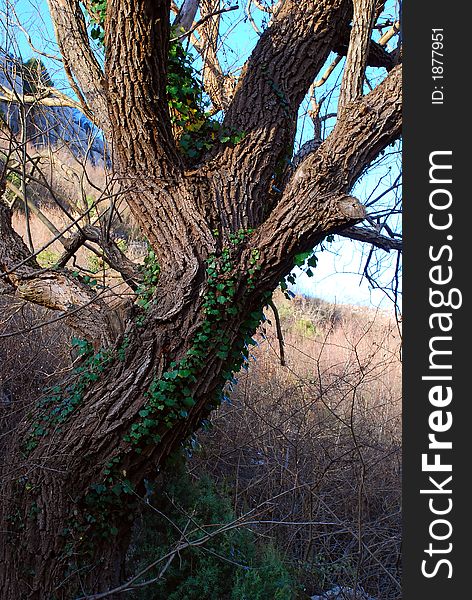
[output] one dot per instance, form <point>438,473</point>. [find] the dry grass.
<point>84,259</point>
<point>33,356</point>
<point>317,445</point>
<point>65,188</point>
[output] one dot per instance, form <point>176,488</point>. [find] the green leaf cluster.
<point>99,10</point>
<point>234,565</point>
<point>306,261</point>
<point>194,128</point>
<point>170,397</point>
<point>60,401</point>
<point>150,271</point>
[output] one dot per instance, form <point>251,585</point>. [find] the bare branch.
<point>388,35</point>
<point>84,309</point>
<point>324,78</point>
<point>56,290</point>
<point>83,69</point>
<point>202,21</point>
<point>30,41</point>
<point>114,256</point>
<point>247,10</point>
<point>371,236</point>
<point>261,6</point>
<point>48,97</point>
<point>219,87</point>
<point>377,55</point>
<point>280,335</point>
<point>186,15</point>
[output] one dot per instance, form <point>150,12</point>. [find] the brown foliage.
<point>316,445</point>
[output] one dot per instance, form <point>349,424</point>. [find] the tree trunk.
<point>70,490</point>
<point>59,529</point>
<point>79,460</point>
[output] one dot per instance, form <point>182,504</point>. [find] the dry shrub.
<point>32,357</point>
<point>65,187</point>
<point>317,446</point>
<point>40,234</point>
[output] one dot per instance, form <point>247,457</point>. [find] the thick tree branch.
<point>356,60</point>
<point>15,259</point>
<point>371,236</point>
<point>285,62</point>
<point>274,82</point>
<point>82,68</point>
<point>186,15</point>
<point>377,55</point>
<point>83,309</point>
<point>316,200</point>
<point>136,40</point>
<point>370,124</point>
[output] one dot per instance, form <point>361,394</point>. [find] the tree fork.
<point>69,476</point>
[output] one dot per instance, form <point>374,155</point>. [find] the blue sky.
<point>336,277</point>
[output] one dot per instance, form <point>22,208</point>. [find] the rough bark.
<point>273,84</point>
<point>188,217</point>
<point>137,96</point>
<point>356,59</point>
<point>146,155</point>
<point>82,67</point>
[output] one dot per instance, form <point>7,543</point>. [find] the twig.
<point>327,73</point>
<point>278,328</point>
<point>205,18</point>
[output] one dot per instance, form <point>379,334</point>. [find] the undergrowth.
<point>232,565</point>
